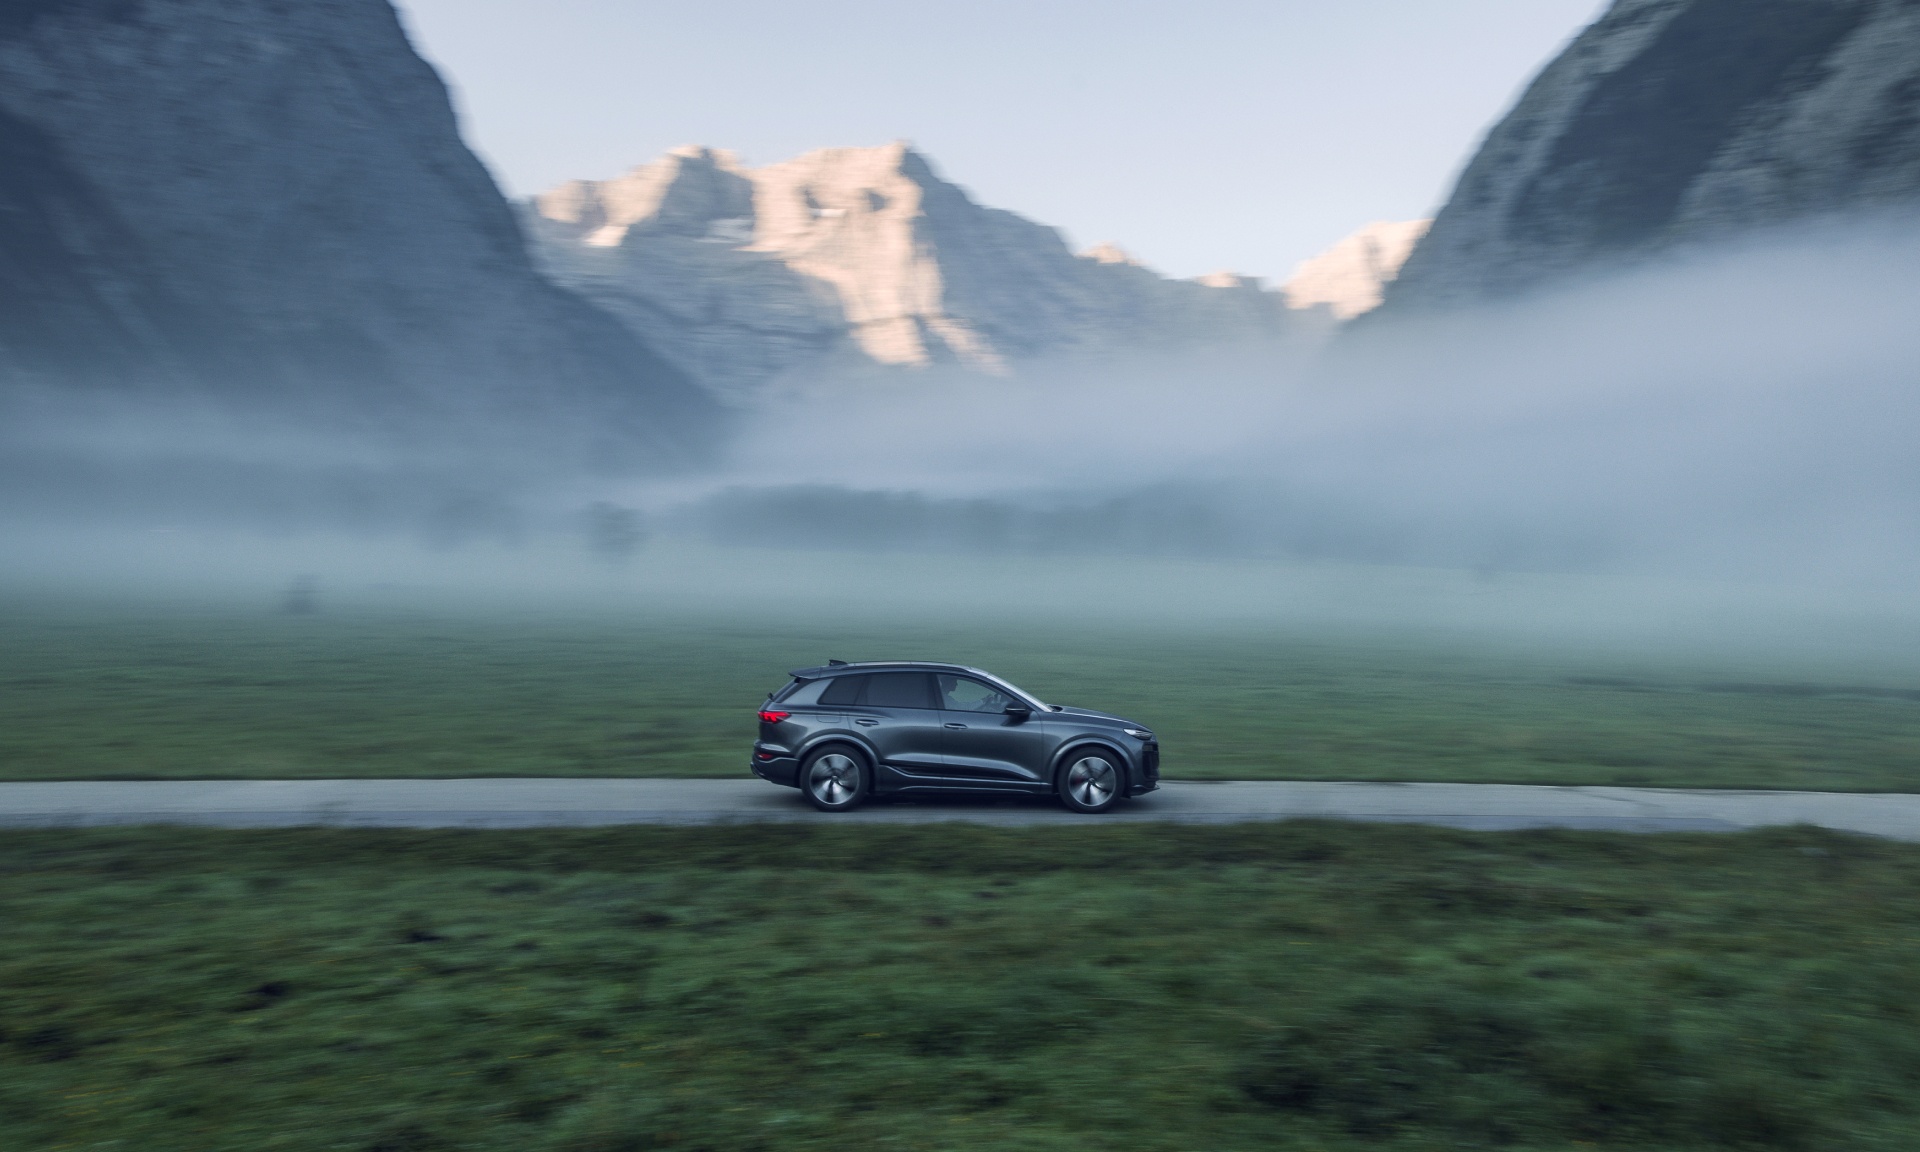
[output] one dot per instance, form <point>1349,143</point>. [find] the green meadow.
<point>193,692</point>
<point>1298,986</point>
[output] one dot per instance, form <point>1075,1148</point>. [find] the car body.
<point>913,727</point>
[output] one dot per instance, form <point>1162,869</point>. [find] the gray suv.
<point>842,732</point>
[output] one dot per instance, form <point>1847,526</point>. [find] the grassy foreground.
<point>131,693</point>
<point>1292,986</point>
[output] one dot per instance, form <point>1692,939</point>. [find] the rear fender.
<point>828,739</point>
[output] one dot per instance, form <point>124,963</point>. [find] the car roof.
<point>882,666</point>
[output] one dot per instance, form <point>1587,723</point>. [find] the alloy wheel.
<point>1091,782</point>
<point>834,779</point>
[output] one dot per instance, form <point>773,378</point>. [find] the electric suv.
<point>842,732</point>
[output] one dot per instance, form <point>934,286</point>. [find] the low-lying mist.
<point>1747,411</point>
<point>1741,417</point>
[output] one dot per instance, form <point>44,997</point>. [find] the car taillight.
<point>768,716</point>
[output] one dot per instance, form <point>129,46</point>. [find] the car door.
<point>984,743</point>
<point>895,713</point>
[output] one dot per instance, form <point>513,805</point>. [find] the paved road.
<point>525,803</point>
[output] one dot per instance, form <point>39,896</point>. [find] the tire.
<point>835,779</point>
<point>1091,780</point>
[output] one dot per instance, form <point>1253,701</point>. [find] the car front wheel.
<point>1090,781</point>
<point>834,779</point>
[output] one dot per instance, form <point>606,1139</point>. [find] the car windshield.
<point>1029,697</point>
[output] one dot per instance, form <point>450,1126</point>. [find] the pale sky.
<point>1199,135</point>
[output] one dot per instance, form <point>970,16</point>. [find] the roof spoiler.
<point>817,671</point>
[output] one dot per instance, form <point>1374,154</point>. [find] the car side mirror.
<point>1019,712</point>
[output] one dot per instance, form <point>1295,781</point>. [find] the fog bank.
<point>1748,410</point>
<point>1686,434</point>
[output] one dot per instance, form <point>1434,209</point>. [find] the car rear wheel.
<point>1090,781</point>
<point>834,779</point>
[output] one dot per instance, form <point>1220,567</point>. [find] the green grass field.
<point>125,693</point>
<point>1301,986</point>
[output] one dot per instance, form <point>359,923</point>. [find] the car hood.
<point>1090,714</point>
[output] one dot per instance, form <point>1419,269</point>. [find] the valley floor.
<point>1300,986</point>
<point>154,693</point>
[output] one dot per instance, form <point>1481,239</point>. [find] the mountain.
<point>1670,122</point>
<point>267,206</point>
<point>1351,277</point>
<point>865,255</point>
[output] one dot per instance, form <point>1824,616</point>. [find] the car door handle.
<point>866,723</point>
<point>956,725</point>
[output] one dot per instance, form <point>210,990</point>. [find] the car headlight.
<point>1138,733</point>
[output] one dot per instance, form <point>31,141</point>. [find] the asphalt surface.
<point>540,803</point>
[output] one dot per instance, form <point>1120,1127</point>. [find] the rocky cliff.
<point>1669,122</point>
<point>1351,277</point>
<point>739,274</point>
<point>268,204</point>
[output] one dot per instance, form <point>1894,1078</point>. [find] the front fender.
<point>1067,752</point>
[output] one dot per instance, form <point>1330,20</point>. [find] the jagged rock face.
<point>270,202</point>
<point>665,249</point>
<point>1669,122</point>
<point>1351,277</point>
<point>861,253</point>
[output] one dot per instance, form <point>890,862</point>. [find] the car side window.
<point>802,692</point>
<point>843,690</point>
<point>897,690</point>
<point>961,694</point>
